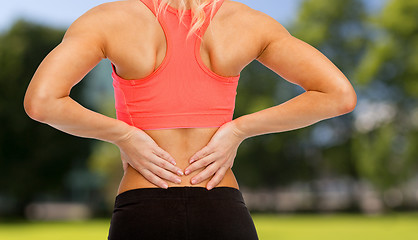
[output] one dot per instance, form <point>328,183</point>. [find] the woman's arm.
<point>328,92</point>
<point>47,98</point>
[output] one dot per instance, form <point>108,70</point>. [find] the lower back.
<point>181,144</point>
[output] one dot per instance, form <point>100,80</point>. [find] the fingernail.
<point>193,181</point>
<point>209,187</point>
<point>178,180</point>
<point>191,160</point>
<point>187,172</point>
<point>165,185</point>
<point>179,172</point>
<point>174,163</point>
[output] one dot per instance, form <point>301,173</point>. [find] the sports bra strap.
<point>208,8</point>
<point>182,92</point>
<point>209,17</point>
<point>150,5</point>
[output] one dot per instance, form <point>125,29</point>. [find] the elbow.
<point>35,108</point>
<point>347,100</point>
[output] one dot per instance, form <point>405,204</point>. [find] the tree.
<point>376,142</point>
<point>392,55</point>
<point>34,157</point>
<point>389,69</point>
<point>338,30</point>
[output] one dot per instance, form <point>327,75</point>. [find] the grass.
<point>341,227</point>
<point>269,227</point>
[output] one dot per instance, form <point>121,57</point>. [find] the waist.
<point>132,179</point>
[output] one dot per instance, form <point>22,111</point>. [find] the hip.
<point>192,213</point>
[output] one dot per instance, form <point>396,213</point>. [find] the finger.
<point>166,165</point>
<point>201,154</point>
<point>198,164</point>
<point>205,174</point>
<point>233,159</point>
<point>164,174</point>
<point>165,155</point>
<point>153,178</point>
<point>219,175</point>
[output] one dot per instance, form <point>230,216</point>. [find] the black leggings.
<point>186,213</point>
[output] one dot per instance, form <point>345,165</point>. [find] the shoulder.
<point>251,16</point>
<point>109,16</point>
<point>264,28</point>
<point>253,19</point>
<point>97,25</point>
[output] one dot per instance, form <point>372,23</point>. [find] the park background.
<point>363,163</point>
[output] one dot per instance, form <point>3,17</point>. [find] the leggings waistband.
<point>180,192</point>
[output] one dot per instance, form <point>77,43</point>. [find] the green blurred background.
<point>362,164</point>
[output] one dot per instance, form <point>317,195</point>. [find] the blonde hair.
<point>197,11</point>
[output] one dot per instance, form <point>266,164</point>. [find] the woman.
<point>175,83</point>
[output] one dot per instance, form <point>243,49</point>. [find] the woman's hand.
<point>140,151</point>
<point>217,156</point>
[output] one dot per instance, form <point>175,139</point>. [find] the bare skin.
<point>127,34</point>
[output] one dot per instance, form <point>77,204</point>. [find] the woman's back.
<point>136,45</point>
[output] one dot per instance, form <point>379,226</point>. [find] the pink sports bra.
<point>182,92</point>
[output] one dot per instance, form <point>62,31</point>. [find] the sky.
<point>63,12</point>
